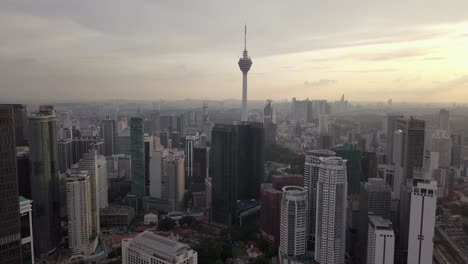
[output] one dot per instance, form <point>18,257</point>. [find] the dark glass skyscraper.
<point>137,152</point>
<point>236,168</point>
<point>10,237</point>
<point>109,133</point>
<point>413,144</point>
<point>45,179</point>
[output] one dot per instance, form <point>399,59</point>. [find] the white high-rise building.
<point>102,182</point>
<point>79,212</point>
<point>90,163</point>
<point>380,241</point>
<point>293,227</point>
<point>313,160</point>
<point>330,231</point>
<point>148,248</point>
<point>190,142</point>
<point>422,222</point>
<point>27,241</point>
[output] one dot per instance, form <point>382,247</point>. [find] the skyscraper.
<point>190,142</point>
<point>313,160</point>
<point>293,230</point>
<point>109,133</point>
<point>375,198</point>
<point>391,127</point>
<point>244,64</point>
<point>413,144</point>
<point>79,212</point>
<point>442,143</point>
<point>137,152</point>
<point>236,168</point>
<point>269,123</point>
<point>422,222</point>
<point>10,235</point>
<point>270,201</point>
<point>90,163</point>
<point>45,179</point>
<point>24,180</point>
<point>444,119</point>
<point>381,241</point>
<point>331,212</point>
<point>173,179</point>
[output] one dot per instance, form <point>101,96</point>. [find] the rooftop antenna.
<point>245,37</point>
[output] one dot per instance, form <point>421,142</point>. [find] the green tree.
<point>166,224</point>
<point>187,221</point>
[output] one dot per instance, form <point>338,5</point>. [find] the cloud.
<point>320,83</point>
<point>393,55</point>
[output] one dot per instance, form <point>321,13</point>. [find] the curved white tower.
<point>293,228</point>
<point>244,64</point>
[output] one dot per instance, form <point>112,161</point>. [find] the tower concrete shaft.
<point>244,64</point>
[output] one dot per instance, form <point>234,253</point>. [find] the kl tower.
<point>244,64</point>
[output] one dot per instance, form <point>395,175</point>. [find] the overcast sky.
<point>133,49</point>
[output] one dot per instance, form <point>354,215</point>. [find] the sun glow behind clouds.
<point>404,70</point>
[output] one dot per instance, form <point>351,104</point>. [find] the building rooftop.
<point>22,199</point>
<point>116,210</point>
<point>158,246</point>
<point>379,222</point>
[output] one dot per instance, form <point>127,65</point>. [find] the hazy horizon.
<point>138,50</point>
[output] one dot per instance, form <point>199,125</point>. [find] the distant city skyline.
<point>141,50</point>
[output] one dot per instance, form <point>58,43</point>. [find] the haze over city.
<point>368,50</point>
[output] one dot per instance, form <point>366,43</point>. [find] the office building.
<point>313,160</point>
<point>331,212</point>
<point>21,121</point>
<point>191,141</point>
<point>368,165</point>
<point>353,155</point>
<point>149,145</point>
<point>442,143</point>
<point>124,142</point>
<point>150,248</point>
<point>381,241</point>
<point>457,146</point>
<point>201,164</point>
<point>269,123</point>
<point>90,163</point>
<point>137,153</point>
<point>244,64</point>
<point>81,236</point>
<point>422,222</point>
<point>27,244</point>
<point>45,179</point>
<point>270,202</point>
<point>157,157</point>
<point>116,216</point>
<point>24,171</point>
<point>413,131</point>
<point>293,231</point>
<point>375,199</point>
<point>444,119</point>
<point>81,145</point>
<point>391,127</point>
<point>10,229</point>
<point>173,179</point>
<point>65,154</point>
<point>236,167</point>
<point>175,140</point>
<point>109,134</point>
<point>102,187</point>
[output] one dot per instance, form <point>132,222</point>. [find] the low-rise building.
<point>150,248</point>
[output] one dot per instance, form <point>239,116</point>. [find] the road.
<point>454,245</point>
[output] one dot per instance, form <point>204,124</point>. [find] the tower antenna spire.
<point>245,37</point>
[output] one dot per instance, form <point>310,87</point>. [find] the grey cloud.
<point>319,83</point>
